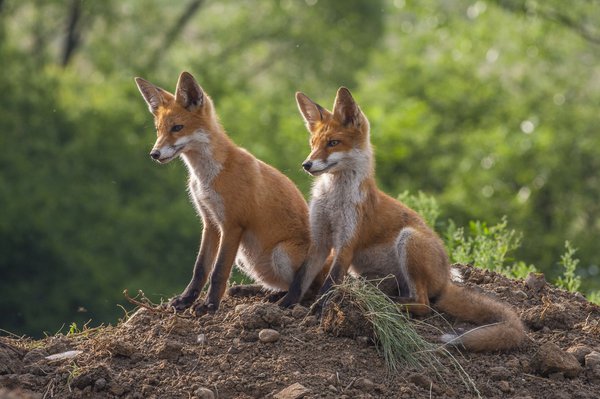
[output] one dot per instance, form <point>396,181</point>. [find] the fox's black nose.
<point>155,154</point>
<point>306,165</point>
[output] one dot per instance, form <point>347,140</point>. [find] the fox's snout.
<point>166,153</point>
<point>316,167</point>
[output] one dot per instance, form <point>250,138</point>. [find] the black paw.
<point>205,308</point>
<point>287,301</point>
<point>275,296</point>
<point>181,302</point>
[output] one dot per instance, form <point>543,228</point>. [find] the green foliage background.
<point>490,106</point>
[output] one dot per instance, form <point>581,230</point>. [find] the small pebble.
<point>535,281</point>
<point>363,383</point>
<point>204,393</point>
<point>294,391</point>
<point>201,339</point>
<point>268,335</point>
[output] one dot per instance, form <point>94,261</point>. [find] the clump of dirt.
<point>342,317</point>
<point>154,354</point>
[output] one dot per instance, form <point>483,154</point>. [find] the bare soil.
<point>230,355</point>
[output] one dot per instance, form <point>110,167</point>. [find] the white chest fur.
<point>333,208</point>
<point>203,170</point>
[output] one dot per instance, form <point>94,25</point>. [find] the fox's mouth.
<point>176,151</point>
<point>321,171</point>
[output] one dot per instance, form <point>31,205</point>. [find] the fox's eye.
<point>176,128</point>
<point>332,143</point>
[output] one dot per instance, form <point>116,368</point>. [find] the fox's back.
<point>262,198</point>
<point>288,210</point>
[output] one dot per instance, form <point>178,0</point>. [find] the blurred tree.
<point>73,35</point>
<point>581,17</point>
<point>174,31</point>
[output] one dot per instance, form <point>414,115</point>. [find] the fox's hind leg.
<point>309,276</point>
<point>288,263</point>
<point>245,290</point>
<point>379,265</point>
<point>286,259</point>
<point>275,271</point>
<point>253,290</point>
<point>416,258</point>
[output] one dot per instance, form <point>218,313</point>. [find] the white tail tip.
<point>451,339</point>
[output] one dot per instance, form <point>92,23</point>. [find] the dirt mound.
<point>252,349</point>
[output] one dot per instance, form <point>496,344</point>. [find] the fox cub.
<point>376,236</point>
<point>251,213</point>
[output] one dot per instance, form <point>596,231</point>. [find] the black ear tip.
<point>187,77</point>
<point>345,91</point>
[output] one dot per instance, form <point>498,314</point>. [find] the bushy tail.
<point>500,328</point>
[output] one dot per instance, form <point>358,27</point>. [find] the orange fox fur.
<point>375,235</point>
<point>251,213</point>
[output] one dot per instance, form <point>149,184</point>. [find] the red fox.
<point>251,213</point>
<point>376,236</point>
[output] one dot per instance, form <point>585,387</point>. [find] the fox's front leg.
<point>204,260</point>
<point>228,247</point>
<point>339,269</point>
<point>305,275</point>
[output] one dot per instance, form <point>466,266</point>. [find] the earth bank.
<point>253,349</point>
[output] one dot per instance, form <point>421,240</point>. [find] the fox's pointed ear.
<point>345,108</point>
<point>189,94</point>
<point>310,110</point>
<point>153,95</point>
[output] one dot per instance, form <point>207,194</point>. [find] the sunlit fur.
<point>374,235</point>
<point>250,211</point>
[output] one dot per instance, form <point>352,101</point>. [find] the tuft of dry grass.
<point>395,336</point>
